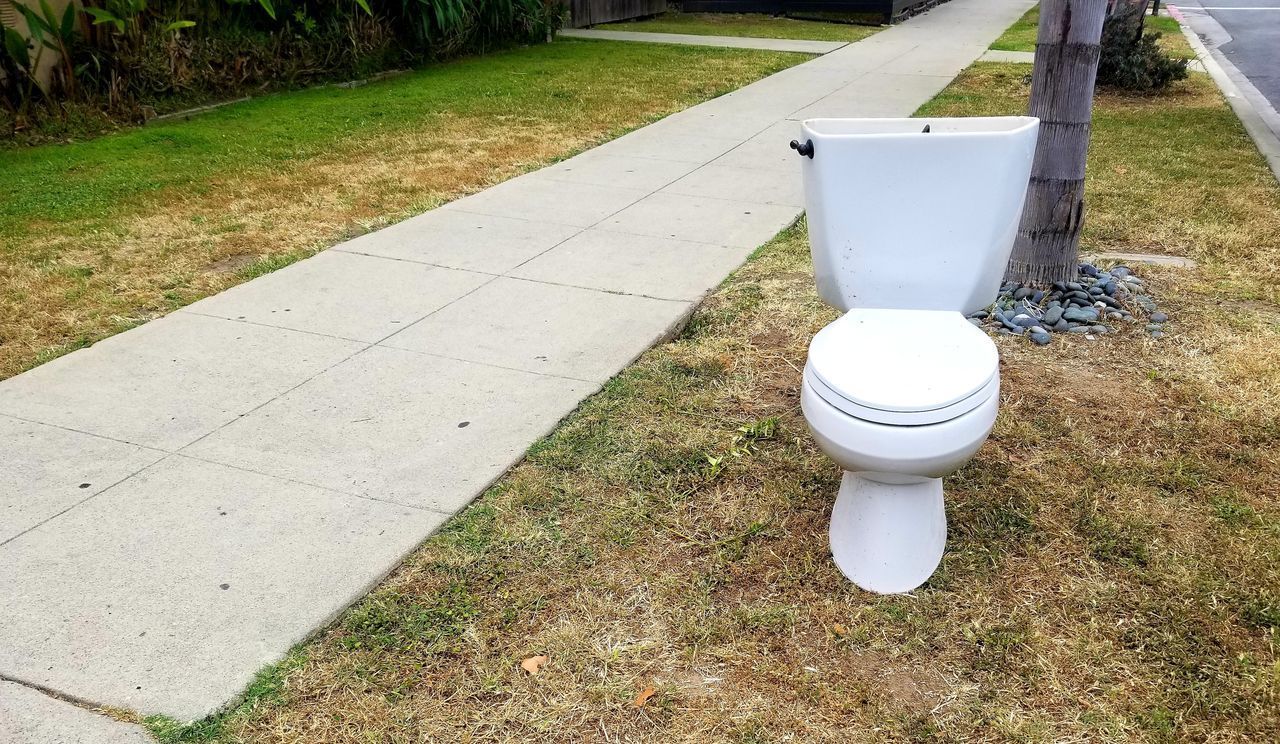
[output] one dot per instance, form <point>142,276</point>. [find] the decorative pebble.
<point>1081,315</point>
<point>1083,306</point>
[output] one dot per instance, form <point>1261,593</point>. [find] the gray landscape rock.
<point>1071,306</point>
<point>1081,315</point>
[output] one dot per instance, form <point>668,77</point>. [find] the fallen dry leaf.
<point>644,696</point>
<point>533,664</point>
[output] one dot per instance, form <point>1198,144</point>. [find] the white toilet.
<point>910,230</point>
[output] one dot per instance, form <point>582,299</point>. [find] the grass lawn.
<point>1021,36</point>
<point>1113,567</point>
<point>98,236</point>
<point>756,25</point>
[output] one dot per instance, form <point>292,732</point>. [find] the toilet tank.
<point>904,218</point>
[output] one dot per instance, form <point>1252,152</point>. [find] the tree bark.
<point>1048,243</point>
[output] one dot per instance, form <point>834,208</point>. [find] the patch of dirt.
<point>901,684</point>
<point>772,339</point>
<point>1261,307</point>
<point>232,264</point>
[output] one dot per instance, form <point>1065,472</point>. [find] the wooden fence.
<point>590,12</point>
<point>886,10</point>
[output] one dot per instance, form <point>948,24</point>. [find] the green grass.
<point>1171,37</point>
<point>1021,36</point>
<point>266,689</point>
<point>97,236</point>
<point>745,24</point>
<point>1163,24</point>
<point>101,177</point>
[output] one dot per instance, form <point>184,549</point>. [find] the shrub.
<point>1131,59</point>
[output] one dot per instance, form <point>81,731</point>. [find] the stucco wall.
<point>12,18</point>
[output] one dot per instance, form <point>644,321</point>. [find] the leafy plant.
<point>1131,58</point>
<point>17,81</point>
<point>124,16</point>
<point>48,31</point>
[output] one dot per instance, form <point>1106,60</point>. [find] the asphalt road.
<point>1254,48</point>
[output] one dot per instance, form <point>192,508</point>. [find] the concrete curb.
<point>807,46</point>
<point>1259,118</point>
<point>1155,259</point>
<point>999,55</point>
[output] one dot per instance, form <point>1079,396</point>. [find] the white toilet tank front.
<point>900,217</point>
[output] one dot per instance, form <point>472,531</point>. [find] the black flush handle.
<point>806,149</point>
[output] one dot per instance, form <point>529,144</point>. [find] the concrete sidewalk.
<point>731,42</point>
<point>185,501</point>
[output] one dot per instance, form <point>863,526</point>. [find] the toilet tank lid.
<point>903,360</point>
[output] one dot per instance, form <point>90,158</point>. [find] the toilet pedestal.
<point>888,537</point>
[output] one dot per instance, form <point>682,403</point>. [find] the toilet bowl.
<point>898,399</point>
<point>910,228</point>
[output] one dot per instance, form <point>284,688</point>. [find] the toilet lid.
<point>903,366</point>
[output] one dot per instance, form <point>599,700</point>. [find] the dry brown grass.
<point>66,282</point>
<point>1112,566</point>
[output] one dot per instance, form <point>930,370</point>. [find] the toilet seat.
<point>903,367</point>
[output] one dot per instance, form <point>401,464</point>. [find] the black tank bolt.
<point>806,149</point>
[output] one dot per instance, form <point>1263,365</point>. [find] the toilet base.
<point>888,538</point>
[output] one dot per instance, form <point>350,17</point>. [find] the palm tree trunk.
<point>1048,242</point>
